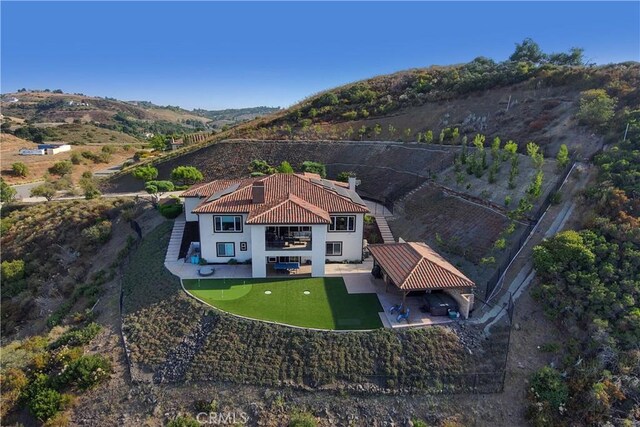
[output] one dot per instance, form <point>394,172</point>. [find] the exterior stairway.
<point>173,250</point>
<point>385,231</point>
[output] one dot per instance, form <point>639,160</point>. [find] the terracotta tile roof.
<point>208,189</point>
<point>317,195</point>
<point>292,210</point>
<point>415,266</point>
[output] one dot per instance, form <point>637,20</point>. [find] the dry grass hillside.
<point>38,165</point>
<point>64,107</point>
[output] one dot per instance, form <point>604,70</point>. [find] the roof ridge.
<point>451,270</point>
<point>413,270</point>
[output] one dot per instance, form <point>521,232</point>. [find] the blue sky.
<point>219,55</point>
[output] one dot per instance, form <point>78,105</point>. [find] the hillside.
<point>137,119</point>
<point>512,100</point>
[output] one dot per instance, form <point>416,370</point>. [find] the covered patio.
<point>413,268</point>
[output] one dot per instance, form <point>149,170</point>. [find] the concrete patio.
<point>358,279</point>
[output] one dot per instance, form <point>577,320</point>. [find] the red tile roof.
<point>293,210</point>
<point>208,189</point>
<point>415,266</point>
<point>288,199</point>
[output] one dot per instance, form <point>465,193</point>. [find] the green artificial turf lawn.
<point>327,306</point>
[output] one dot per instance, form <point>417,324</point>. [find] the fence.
<point>497,276</point>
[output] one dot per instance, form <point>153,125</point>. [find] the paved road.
<point>23,191</point>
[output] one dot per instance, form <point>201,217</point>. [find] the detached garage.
<point>414,266</point>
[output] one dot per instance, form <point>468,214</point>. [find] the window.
<point>224,249</point>
<point>243,246</point>
<point>227,224</point>
<point>343,223</point>
<point>334,248</point>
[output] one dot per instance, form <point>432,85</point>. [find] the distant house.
<point>45,149</point>
<point>176,143</point>
<point>277,219</point>
<point>414,266</point>
<point>52,149</point>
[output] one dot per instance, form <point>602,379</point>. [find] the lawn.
<point>321,303</point>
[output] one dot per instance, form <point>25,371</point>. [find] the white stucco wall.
<point>351,242</point>
<point>208,240</point>
<point>190,203</point>
<point>260,254</point>
<point>254,236</point>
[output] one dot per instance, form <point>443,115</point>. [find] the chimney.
<point>352,183</point>
<point>257,192</point>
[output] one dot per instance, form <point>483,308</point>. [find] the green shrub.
<point>170,211</point>
<point>596,108</point>
<point>45,404</point>
<point>548,386</point>
<point>98,233</point>
<point>64,167</point>
<point>12,279</point>
<point>303,419</point>
<point>12,383</point>
<point>314,167</point>
<point>76,158</point>
<point>181,421</point>
<point>43,401</point>
<point>85,372</point>
<point>77,337</point>
<point>20,169</point>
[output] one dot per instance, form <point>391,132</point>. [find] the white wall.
<point>208,240</point>
<point>260,254</point>
<point>351,242</point>
<point>190,203</point>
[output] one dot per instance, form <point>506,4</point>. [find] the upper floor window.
<point>227,223</point>
<point>343,223</point>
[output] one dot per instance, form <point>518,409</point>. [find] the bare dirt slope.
<point>542,115</point>
<point>387,170</point>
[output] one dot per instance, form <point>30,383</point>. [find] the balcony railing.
<point>289,244</point>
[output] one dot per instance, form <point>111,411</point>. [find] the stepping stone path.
<point>173,250</point>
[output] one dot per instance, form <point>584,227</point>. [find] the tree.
<point>19,169</point>
<point>261,167</point>
<point>158,142</point>
<point>145,173</point>
<point>62,168</point>
<point>187,175</point>
<point>285,167</point>
<point>345,175</point>
<point>428,136</point>
<point>314,167</point>
<point>574,57</point>
<point>392,130</point>
<point>563,156</point>
<point>377,129</point>
<point>7,193</point>
<point>528,51</point>
<point>362,132</point>
<point>157,189</point>
<point>46,190</point>
<point>89,186</point>
<point>510,150</point>
<point>535,188</point>
<point>596,108</point>
<point>533,150</point>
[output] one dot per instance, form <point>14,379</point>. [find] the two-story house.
<point>292,218</point>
